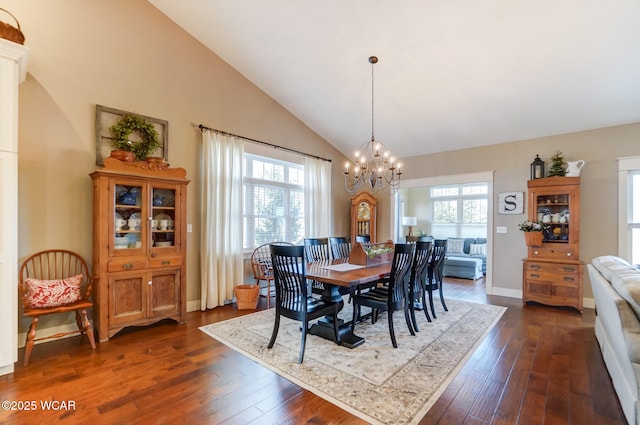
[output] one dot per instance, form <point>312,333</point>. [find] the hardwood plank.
<point>539,365</point>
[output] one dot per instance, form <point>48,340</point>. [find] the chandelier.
<point>374,169</point>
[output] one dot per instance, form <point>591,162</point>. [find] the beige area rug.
<point>375,382</point>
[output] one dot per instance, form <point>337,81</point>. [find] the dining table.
<point>336,274</point>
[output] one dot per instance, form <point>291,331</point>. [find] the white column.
<point>13,59</point>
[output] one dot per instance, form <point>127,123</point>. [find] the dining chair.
<point>262,270</point>
<point>292,299</point>
<point>434,273</point>
<point>55,281</point>
<point>317,249</point>
<point>392,297</point>
<point>417,281</point>
<point>340,246</point>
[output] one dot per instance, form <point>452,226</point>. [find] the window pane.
<point>474,211</point>
<point>480,189</point>
<point>445,211</point>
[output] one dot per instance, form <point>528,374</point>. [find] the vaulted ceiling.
<point>451,74</point>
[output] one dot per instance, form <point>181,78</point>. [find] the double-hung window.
<point>459,210</point>
<point>273,201</point>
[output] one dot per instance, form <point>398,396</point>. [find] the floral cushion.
<point>52,293</point>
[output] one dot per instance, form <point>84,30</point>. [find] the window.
<point>273,201</point>
<point>629,209</point>
<point>459,210</point>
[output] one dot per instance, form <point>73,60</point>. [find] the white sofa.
<point>616,290</point>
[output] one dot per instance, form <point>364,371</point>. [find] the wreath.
<point>148,134</point>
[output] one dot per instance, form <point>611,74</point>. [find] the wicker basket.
<point>9,32</point>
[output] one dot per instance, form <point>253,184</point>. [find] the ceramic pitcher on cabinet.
<point>574,167</point>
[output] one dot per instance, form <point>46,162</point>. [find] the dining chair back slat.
<point>340,247</point>
<point>316,249</point>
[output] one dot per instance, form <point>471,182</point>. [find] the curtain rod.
<point>204,127</point>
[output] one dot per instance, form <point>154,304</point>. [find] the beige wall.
<point>127,55</point>
<point>510,163</point>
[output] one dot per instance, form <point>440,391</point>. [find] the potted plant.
<point>142,148</point>
<point>532,232</point>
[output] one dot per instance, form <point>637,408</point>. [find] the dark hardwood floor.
<point>539,365</point>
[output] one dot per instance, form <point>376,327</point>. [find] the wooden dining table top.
<point>317,271</point>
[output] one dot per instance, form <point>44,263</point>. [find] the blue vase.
<point>128,199</point>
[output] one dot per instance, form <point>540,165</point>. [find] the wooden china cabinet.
<point>363,216</point>
<point>139,244</point>
<point>552,272</point>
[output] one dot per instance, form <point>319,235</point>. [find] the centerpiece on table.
<point>371,253</point>
<point>532,232</point>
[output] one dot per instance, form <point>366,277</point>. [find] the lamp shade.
<point>409,221</point>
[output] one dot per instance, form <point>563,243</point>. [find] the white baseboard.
<point>193,305</point>
<point>506,292</point>
<point>5,370</point>
<point>517,293</point>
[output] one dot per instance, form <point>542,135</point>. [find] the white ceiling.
<point>451,74</point>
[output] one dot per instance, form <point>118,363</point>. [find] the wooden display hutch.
<point>552,272</point>
<point>363,216</point>
<point>139,245</point>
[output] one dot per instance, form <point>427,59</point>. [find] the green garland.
<point>129,123</point>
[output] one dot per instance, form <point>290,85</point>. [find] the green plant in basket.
<point>372,252</point>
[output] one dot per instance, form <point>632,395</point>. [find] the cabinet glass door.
<point>163,217</point>
<point>128,217</point>
<point>553,212</point>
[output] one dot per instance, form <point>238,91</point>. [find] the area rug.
<point>374,381</point>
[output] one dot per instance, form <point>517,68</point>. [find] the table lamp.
<point>410,222</point>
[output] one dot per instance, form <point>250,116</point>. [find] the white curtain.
<point>221,265</point>
<point>317,198</point>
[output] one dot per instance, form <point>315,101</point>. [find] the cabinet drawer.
<point>567,279</point>
<point>165,262</point>
<point>126,265</point>
<point>555,268</point>
<point>558,252</point>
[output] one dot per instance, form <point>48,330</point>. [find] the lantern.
<point>537,168</point>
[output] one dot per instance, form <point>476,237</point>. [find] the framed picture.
<point>107,117</point>
<point>511,203</point>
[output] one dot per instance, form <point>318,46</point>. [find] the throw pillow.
<point>478,249</point>
<point>52,293</point>
<point>455,246</point>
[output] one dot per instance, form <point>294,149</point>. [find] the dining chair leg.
<point>410,311</point>
<point>85,326</point>
<point>274,334</point>
<point>424,304</point>
<point>440,292</point>
<point>303,340</point>
<point>430,290</point>
<point>31,336</point>
<point>392,333</point>
<point>410,318</point>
